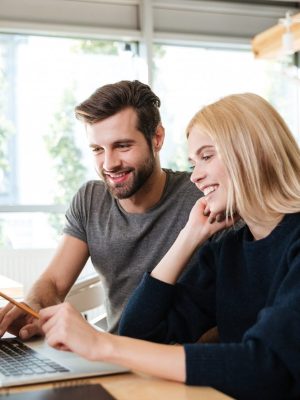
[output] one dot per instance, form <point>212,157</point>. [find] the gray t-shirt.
<point>124,245</point>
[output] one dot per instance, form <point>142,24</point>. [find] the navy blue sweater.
<point>251,291</point>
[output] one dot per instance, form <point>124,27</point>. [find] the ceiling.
<point>285,3</point>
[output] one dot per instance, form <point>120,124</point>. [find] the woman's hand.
<point>202,223</point>
<point>66,329</point>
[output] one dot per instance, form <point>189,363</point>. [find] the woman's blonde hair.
<point>260,153</point>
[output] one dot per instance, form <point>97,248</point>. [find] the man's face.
<point>122,155</point>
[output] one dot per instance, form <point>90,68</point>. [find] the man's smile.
<point>117,177</point>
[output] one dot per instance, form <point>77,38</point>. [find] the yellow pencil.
<point>22,306</point>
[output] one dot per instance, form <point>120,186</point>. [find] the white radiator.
<point>24,265</point>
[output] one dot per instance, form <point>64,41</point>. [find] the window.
<point>43,154</point>
<point>188,78</point>
<point>44,157</point>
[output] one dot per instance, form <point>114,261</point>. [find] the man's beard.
<point>140,177</point>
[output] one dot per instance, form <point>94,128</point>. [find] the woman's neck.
<point>261,231</point>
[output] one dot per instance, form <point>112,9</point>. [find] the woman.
<point>247,163</point>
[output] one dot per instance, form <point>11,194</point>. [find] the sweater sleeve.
<point>266,363</point>
<point>179,313</point>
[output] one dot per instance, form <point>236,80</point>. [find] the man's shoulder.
<point>93,189</point>
<point>180,182</point>
<point>93,196</point>
<point>93,185</point>
<point>185,175</point>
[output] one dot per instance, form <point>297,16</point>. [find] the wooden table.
<point>133,386</point>
<point>141,387</point>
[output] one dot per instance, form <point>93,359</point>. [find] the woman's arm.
<point>198,229</point>
<point>161,360</point>
<point>246,370</point>
<point>156,359</point>
<point>160,311</point>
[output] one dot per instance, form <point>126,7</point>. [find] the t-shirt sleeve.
<point>266,364</point>
<point>166,313</point>
<point>75,218</point>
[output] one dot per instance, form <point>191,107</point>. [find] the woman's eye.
<point>206,157</point>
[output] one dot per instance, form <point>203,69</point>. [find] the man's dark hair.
<point>110,99</point>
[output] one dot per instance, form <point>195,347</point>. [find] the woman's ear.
<point>158,138</point>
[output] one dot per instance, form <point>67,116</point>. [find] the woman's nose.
<point>197,174</point>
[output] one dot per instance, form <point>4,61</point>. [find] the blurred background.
<point>55,53</point>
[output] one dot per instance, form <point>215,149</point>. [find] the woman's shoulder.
<point>233,233</point>
<point>228,238</point>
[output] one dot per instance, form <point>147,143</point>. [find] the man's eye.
<point>191,167</point>
<point>123,146</point>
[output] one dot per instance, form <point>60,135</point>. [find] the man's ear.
<point>158,138</point>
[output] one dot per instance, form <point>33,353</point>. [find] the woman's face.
<point>209,173</point>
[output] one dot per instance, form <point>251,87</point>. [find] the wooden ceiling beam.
<point>268,44</point>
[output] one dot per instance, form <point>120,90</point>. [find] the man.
<point>127,220</point>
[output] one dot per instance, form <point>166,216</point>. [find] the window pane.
<point>44,156</point>
<point>43,78</point>
<point>187,78</point>
<point>27,230</point>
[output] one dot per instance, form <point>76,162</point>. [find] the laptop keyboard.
<point>17,359</point>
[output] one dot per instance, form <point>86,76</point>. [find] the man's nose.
<point>111,161</point>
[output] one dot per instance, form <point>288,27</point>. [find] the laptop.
<point>34,361</point>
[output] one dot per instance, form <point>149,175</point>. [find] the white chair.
<point>87,297</point>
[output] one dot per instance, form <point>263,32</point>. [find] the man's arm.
<point>50,288</point>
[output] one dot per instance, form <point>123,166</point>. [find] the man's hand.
<point>19,323</point>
